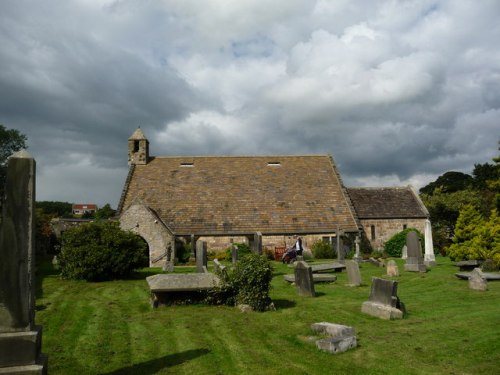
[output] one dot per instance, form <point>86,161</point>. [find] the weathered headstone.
<point>383,301</point>
<point>415,261</point>
<point>257,242</point>
<point>477,281</point>
<point>340,246</point>
<point>20,338</point>
<point>304,280</point>
<point>392,268</point>
<point>339,338</point>
<point>220,269</point>
<point>234,253</point>
<point>404,252</point>
<point>169,263</point>
<point>357,256</point>
<point>201,256</point>
<point>353,274</point>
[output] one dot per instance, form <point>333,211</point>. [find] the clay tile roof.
<point>387,203</point>
<point>243,194</point>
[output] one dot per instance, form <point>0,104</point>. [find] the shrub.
<point>395,244</point>
<point>322,250</point>
<point>243,249</point>
<point>183,252</point>
<point>101,251</point>
<point>249,284</point>
<point>476,237</point>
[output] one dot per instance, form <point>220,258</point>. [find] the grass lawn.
<point>110,328</point>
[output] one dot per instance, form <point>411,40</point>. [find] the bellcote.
<point>138,148</point>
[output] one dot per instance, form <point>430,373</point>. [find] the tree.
<point>56,209</point>
<point>11,140</point>
<point>106,212</point>
<point>476,237</point>
<point>449,183</point>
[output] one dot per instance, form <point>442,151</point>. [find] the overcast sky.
<point>399,92</point>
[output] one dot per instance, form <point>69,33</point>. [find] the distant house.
<point>167,199</point>
<point>386,211</point>
<point>80,209</point>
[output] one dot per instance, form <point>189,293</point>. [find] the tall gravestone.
<point>20,338</point>
<point>304,279</point>
<point>257,242</point>
<point>414,261</point>
<point>353,274</point>
<point>201,256</point>
<point>234,253</point>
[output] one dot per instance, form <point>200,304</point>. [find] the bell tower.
<point>138,148</point>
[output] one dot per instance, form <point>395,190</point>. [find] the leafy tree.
<point>448,183</point>
<point>444,209</point>
<point>482,174</point>
<point>494,184</point>
<point>57,209</point>
<point>11,140</point>
<point>106,212</point>
<point>476,237</point>
<point>101,251</point>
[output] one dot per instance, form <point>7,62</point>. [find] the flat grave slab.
<point>182,282</point>
<point>317,278</point>
<point>165,286</point>
<point>336,267</point>
<point>487,275</point>
<point>468,265</point>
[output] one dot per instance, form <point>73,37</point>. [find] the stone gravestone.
<point>201,256</point>
<point>304,279</point>
<point>20,338</point>
<point>353,274</point>
<point>234,253</point>
<point>383,301</point>
<point>392,268</point>
<point>257,243</point>
<point>339,338</point>
<point>169,263</point>
<point>477,281</point>
<point>404,252</point>
<point>415,261</point>
<point>357,256</point>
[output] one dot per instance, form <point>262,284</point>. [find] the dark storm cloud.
<point>397,92</point>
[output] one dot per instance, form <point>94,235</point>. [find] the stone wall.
<point>386,228</point>
<point>219,244</point>
<point>142,221</point>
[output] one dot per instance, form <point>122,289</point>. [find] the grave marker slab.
<point>201,256</point>
<point>353,274</point>
<point>392,268</point>
<point>477,281</point>
<point>383,301</point>
<point>414,261</point>
<point>304,279</point>
<point>20,338</point>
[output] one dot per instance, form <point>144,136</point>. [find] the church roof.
<point>137,135</point>
<point>387,203</point>
<point>217,195</point>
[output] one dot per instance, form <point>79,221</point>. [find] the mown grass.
<point>110,328</point>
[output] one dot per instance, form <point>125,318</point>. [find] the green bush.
<point>322,250</point>
<point>243,249</point>
<point>249,284</point>
<point>395,244</point>
<point>101,251</point>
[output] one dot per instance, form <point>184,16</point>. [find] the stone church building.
<point>173,199</point>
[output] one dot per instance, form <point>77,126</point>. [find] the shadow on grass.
<point>284,303</point>
<point>155,365</point>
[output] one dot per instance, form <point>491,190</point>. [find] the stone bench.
<point>162,284</point>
